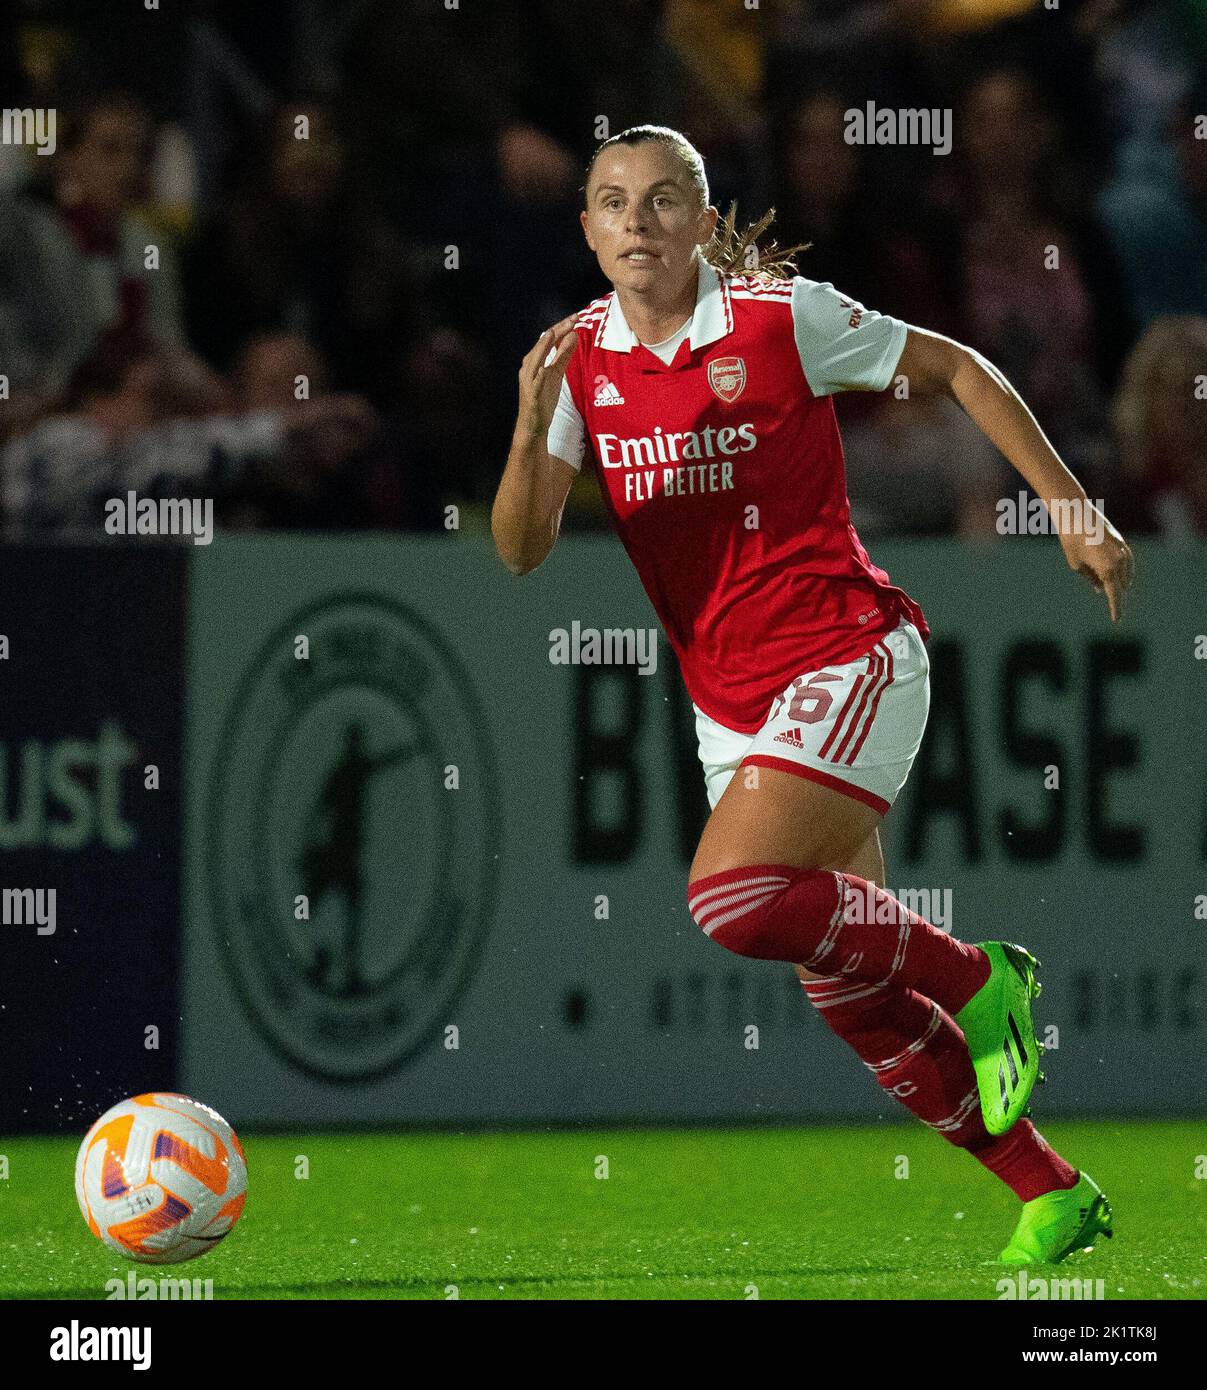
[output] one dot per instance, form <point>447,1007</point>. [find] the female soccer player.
<point>704,390</point>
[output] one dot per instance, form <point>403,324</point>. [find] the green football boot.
<point>996,1023</point>
<point>1054,1225</point>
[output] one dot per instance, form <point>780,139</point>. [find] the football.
<point>160,1178</point>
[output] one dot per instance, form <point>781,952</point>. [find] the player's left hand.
<point>1107,562</point>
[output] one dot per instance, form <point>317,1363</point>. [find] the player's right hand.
<point>1109,565</point>
<point>541,381</point>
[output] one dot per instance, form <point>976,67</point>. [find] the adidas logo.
<point>608,395</point>
<point>1009,1056</point>
<point>792,736</point>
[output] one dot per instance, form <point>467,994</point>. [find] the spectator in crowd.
<point>158,422</point>
<point>819,193</point>
<point>300,250</point>
<point>429,97</point>
<point>74,254</point>
<point>436,434</point>
<point>57,474</point>
<point>435,101</point>
<point>1161,426</point>
<point>1145,55</point>
<point>821,202</point>
<point>892,254</point>
<point>475,143</point>
<point>921,468</point>
<point>406,264</point>
<point>882,50</point>
<point>275,370</point>
<point>1157,216</point>
<point>328,472</point>
<point>911,470</point>
<point>1038,287</point>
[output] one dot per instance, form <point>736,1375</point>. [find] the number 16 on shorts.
<point>855,727</point>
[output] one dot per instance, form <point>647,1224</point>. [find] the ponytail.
<point>735,252</point>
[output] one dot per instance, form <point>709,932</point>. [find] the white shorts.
<point>855,727</point>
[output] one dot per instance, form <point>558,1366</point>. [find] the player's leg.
<point>918,1055</point>
<point>757,887</point>
<point>866,863</point>
<point>809,793</point>
<point>753,854</point>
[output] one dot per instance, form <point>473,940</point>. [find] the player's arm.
<point>532,493</point>
<point>932,363</point>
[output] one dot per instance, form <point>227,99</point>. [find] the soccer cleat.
<point>1053,1226</point>
<point>996,1023</point>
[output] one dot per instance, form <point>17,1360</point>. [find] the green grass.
<point>811,1212</point>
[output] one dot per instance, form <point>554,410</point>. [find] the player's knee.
<point>753,910</point>
<point>726,907</point>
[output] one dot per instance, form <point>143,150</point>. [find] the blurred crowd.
<point>290,255</point>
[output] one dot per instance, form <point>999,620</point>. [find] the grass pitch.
<point>813,1212</point>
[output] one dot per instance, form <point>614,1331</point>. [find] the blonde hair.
<point>1177,341</point>
<point>729,250</point>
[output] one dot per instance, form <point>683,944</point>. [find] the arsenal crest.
<point>727,377</point>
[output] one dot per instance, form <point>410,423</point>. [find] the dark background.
<point>408,253</point>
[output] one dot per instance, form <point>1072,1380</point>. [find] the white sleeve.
<point>842,345</point>
<point>567,437</point>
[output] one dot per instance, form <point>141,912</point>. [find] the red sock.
<point>835,923</point>
<point>1025,1161</point>
<point>917,1053</point>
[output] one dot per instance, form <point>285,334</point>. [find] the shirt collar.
<point>712,318</point>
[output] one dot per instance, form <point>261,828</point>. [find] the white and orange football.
<point>161,1178</point>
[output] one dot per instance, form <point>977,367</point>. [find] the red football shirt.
<point>724,475</point>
